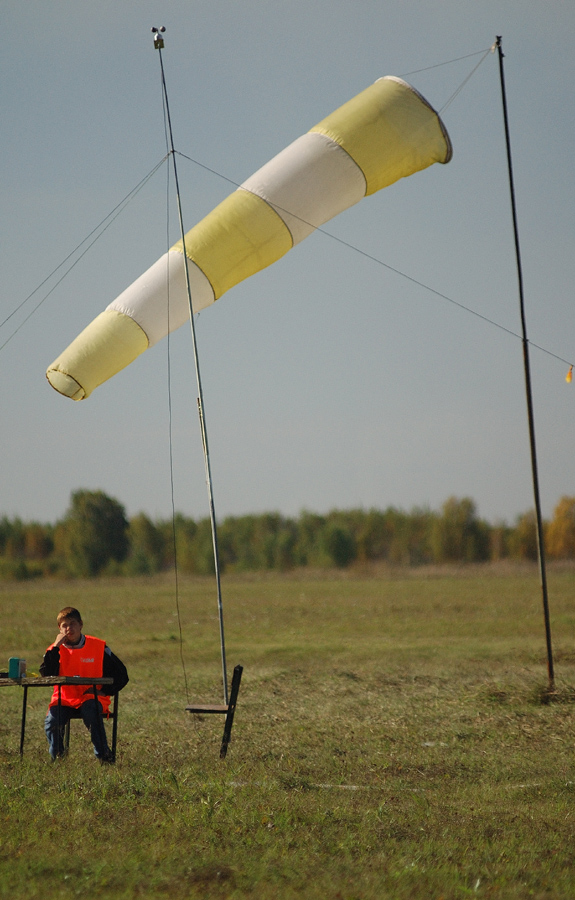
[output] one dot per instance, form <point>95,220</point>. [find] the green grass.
<point>393,739</point>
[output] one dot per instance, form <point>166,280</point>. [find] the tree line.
<point>95,538</point>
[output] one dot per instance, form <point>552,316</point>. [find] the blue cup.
<point>14,667</point>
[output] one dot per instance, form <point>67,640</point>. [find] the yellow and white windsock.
<point>387,132</point>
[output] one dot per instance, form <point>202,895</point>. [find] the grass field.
<point>393,739</point>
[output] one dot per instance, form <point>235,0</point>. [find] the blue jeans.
<point>92,720</point>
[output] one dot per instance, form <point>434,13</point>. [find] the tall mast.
<point>159,45</point>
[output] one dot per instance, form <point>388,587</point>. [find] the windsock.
<point>385,133</point>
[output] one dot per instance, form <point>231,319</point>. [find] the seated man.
<point>74,653</point>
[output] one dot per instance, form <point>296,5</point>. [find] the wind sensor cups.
<point>158,39</point>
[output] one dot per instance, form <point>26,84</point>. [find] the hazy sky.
<point>330,380</point>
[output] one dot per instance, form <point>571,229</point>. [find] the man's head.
<point>70,624</point>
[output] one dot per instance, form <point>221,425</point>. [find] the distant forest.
<point>96,538</point>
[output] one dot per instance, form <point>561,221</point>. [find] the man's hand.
<point>70,632</point>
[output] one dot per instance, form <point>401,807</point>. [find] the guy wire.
<point>390,268</point>
<point>447,62</point>
<point>106,222</point>
<point>465,80</point>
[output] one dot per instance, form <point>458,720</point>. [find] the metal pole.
<point>159,44</point>
<point>530,417</point>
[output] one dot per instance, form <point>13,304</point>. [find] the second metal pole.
<point>527,370</point>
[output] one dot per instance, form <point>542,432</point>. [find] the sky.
<point>380,362</point>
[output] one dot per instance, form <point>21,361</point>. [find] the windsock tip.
<point>65,384</point>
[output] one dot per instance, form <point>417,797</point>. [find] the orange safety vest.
<point>87,662</point>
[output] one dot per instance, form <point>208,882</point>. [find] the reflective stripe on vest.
<point>87,662</point>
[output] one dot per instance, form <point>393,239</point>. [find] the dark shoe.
<point>108,759</point>
<point>59,756</point>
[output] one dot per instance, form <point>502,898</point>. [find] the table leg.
<point>59,720</point>
<point>115,728</point>
<point>23,725</point>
